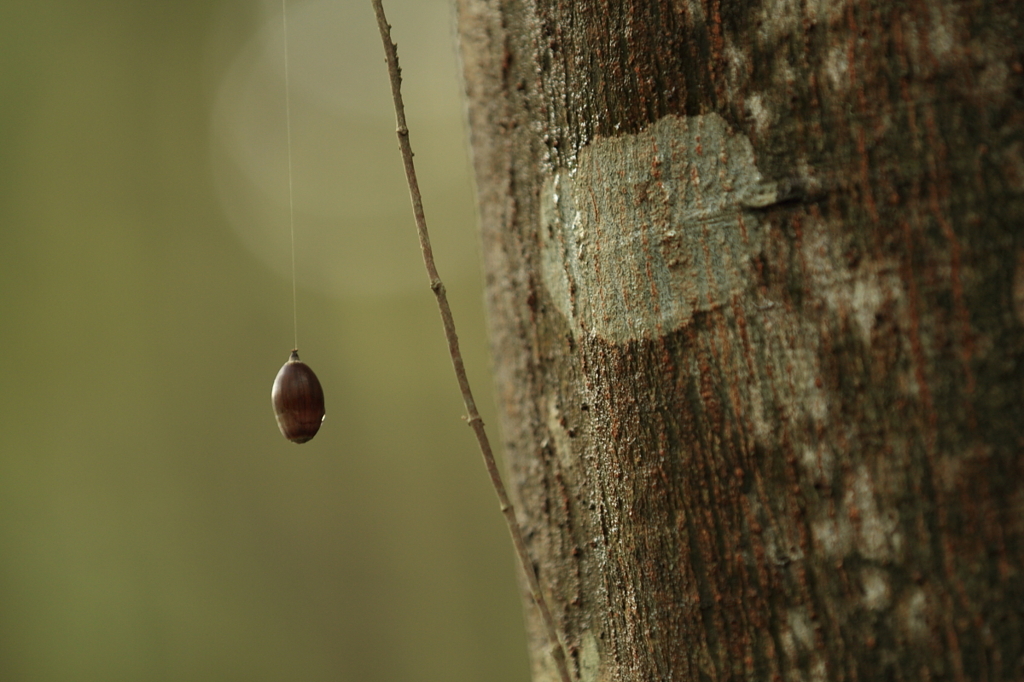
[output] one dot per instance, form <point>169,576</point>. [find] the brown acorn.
<point>298,400</point>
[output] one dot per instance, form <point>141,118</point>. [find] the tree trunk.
<point>755,275</point>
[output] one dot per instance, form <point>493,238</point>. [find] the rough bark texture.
<point>756,284</point>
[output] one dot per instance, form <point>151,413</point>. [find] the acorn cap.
<point>298,400</point>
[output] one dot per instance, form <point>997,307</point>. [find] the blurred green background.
<point>154,525</point>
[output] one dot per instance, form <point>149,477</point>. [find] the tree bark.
<point>755,275</point>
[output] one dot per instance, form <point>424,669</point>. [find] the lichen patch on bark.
<point>649,229</point>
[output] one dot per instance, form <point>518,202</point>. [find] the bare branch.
<point>477,424</point>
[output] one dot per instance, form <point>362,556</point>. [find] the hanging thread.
<point>291,191</point>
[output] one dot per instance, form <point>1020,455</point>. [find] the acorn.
<point>298,400</point>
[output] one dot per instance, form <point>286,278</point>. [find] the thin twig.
<point>395,72</point>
